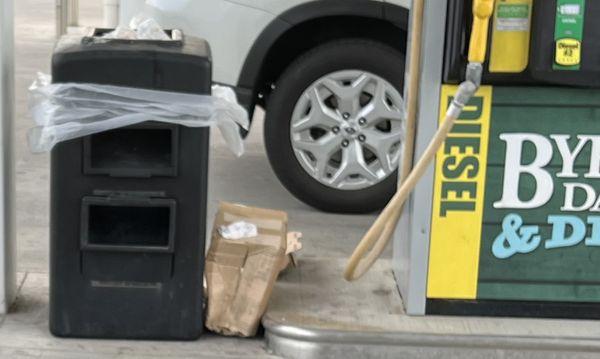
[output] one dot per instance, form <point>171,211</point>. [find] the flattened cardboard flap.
<point>228,253</point>
<point>241,273</point>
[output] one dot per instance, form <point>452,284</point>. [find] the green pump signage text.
<point>576,197</point>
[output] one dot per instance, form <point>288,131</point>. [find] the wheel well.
<point>315,32</point>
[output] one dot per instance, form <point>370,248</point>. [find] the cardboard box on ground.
<point>240,273</point>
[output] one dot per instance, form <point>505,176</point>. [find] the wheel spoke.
<point>305,123</point>
<point>324,145</point>
<point>346,101</point>
<point>378,108</point>
<point>338,177</point>
<point>348,97</point>
<point>379,97</point>
<point>360,164</point>
<point>319,116</point>
<point>381,144</point>
<point>353,163</point>
<point>321,149</point>
<point>334,87</point>
<point>359,84</point>
<point>392,114</point>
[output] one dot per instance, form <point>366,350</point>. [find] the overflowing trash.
<point>140,28</point>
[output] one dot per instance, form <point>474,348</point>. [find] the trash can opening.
<point>135,224</point>
<point>141,151</point>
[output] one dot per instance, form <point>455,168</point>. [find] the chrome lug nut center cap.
<point>350,131</point>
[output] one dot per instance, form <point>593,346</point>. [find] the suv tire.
<point>370,57</point>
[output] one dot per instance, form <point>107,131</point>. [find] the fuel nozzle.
<point>482,12</point>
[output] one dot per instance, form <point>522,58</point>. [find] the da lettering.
<point>513,169</point>
<point>591,202</point>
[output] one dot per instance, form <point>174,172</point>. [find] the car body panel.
<point>230,26</point>
<point>274,7</point>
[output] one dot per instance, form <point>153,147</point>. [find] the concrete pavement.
<point>247,180</point>
<point>313,311</point>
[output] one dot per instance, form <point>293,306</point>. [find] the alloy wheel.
<point>347,129</point>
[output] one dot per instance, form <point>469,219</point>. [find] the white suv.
<point>329,74</point>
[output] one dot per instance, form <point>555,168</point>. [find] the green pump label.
<point>512,17</point>
<point>568,34</point>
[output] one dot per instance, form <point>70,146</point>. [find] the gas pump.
<point>507,222</point>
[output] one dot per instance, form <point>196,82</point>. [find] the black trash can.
<point>128,206</point>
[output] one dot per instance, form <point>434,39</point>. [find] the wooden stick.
<point>374,242</point>
<point>356,267</point>
<point>380,233</point>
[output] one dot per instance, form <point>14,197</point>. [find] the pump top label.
<point>568,34</point>
<point>568,52</point>
<point>512,17</point>
<point>511,36</point>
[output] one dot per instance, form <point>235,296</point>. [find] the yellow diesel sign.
<point>459,186</point>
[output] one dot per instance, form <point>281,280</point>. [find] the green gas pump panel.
<point>515,226</point>
<point>568,34</point>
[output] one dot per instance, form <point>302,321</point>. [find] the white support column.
<point>111,13</point>
<point>67,14</point>
<point>8,253</point>
<point>61,12</point>
<point>411,241</point>
<point>73,13</point>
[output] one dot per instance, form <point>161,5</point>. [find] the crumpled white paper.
<point>140,27</point>
<point>238,230</point>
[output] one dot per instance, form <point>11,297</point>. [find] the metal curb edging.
<point>279,336</point>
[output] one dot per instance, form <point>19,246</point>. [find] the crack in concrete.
<point>17,294</point>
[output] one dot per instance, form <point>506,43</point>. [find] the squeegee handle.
<point>375,240</point>
<point>380,233</point>
<point>482,12</point>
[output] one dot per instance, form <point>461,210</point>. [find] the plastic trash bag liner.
<point>66,111</point>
